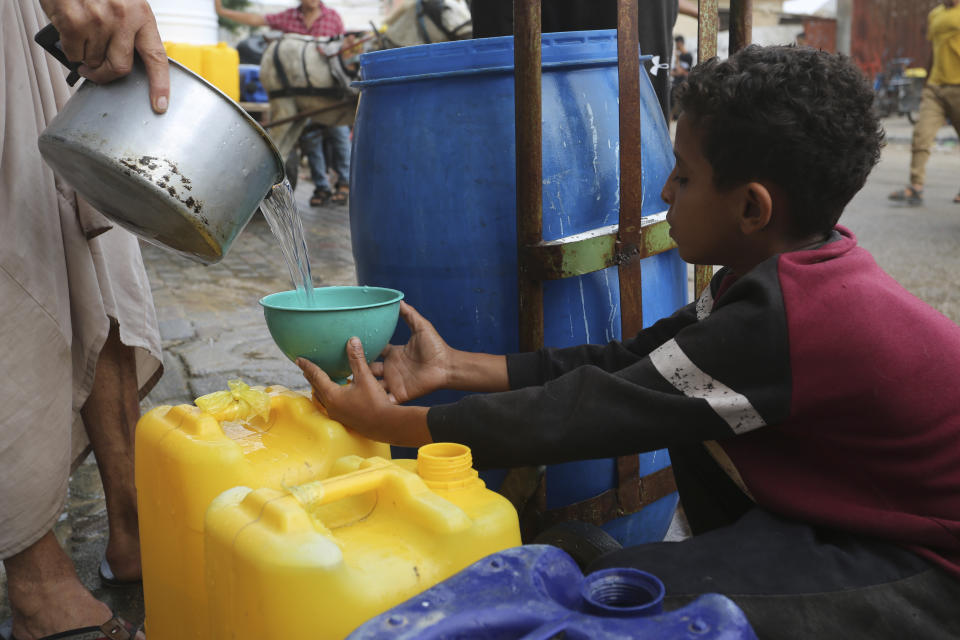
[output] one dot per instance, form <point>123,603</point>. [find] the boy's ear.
<point>757,208</point>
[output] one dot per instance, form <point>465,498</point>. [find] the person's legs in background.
<point>311,145</point>
<point>931,117</point>
<point>339,139</point>
<point>951,97</point>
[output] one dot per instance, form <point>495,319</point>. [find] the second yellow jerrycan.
<point>221,67</point>
<point>189,55</point>
<point>317,560</point>
<point>186,456</point>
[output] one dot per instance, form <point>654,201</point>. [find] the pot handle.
<point>49,39</point>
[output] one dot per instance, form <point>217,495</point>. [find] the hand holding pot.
<point>103,34</point>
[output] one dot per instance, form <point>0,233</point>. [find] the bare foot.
<point>46,595</point>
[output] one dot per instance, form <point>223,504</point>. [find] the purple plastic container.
<point>537,592</point>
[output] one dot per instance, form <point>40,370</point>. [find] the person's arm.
<point>538,367</point>
<point>689,8</point>
<point>103,35</point>
<point>723,376</point>
<point>243,17</point>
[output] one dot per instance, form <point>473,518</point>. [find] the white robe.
<point>62,278</point>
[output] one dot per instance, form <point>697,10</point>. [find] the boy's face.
<point>704,221</point>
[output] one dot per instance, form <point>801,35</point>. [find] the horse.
<point>302,73</point>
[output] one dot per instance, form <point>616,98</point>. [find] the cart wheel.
<point>584,542</point>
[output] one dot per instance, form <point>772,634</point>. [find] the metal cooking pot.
<point>187,180</point>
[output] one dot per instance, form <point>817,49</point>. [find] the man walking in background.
<point>941,97</point>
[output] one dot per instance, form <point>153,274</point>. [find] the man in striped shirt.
<point>311,18</point>
<point>808,401</point>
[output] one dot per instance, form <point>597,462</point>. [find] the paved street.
<point>213,329</point>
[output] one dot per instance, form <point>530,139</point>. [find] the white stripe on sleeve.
<point>735,409</point>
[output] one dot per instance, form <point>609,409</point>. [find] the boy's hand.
<point>418,367</point>
<point>363,405</point>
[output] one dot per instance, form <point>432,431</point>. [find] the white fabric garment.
<point>64,273</point>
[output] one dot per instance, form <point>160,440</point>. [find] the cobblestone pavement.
<point>213,329</point>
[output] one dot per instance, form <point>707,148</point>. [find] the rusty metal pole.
<point>526,60</point>
<point>631,170</point>
<point>741,24</point>
<point>708,24</point>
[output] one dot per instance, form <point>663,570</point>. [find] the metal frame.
<point>624,244</point>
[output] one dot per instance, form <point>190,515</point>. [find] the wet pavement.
<point>213,329</point>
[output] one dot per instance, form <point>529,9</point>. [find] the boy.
<point>808,401</point>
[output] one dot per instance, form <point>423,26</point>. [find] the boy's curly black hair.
<point>797,117</point>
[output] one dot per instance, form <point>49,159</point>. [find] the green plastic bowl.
<point>320,332</point>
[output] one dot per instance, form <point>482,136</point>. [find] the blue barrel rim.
<point>462,57</point>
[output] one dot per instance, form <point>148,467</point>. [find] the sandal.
<point>340,197</point>
<point>908,195</point>
<point>113,629</point>
<point>956,199</point>
<point>319,198</point>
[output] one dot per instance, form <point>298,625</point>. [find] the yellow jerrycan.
<point>189,55</point>
<point>186,456</point>
<point>316,560</point>
<point>221,68</point>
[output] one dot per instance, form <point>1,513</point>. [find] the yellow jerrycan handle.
<point>406,489</point>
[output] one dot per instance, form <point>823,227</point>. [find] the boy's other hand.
<point>363,405</point>
<point>418,367</point>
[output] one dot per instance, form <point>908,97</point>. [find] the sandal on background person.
<point>319,198</point>
<point>341,195</point>
<point>908,195</point>
<point>956,199</point>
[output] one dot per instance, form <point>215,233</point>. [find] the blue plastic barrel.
<point>536,592</point>
<point>433,207</point>
<point>250,88</point>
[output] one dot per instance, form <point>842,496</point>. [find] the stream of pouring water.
<point>280,210</point>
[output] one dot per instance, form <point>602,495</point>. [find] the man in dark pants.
<point>655,25</point>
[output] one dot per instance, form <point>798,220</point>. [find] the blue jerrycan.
<point>537,592</point>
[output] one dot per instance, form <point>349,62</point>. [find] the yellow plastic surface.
<point>316,560</point>
<point>189,55</point>
<point>221,67</point>
<point>186,457</point>
<point>218,64</point>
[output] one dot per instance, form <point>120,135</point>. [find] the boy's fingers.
<point>414,320</point>
<point>317,378</point>
<point>409,314</point>
<point>358,361</point>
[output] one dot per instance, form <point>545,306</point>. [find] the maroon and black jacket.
<point>831,389</point>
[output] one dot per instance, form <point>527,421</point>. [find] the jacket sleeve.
<point>538,367</point>
<point>724,375</point>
